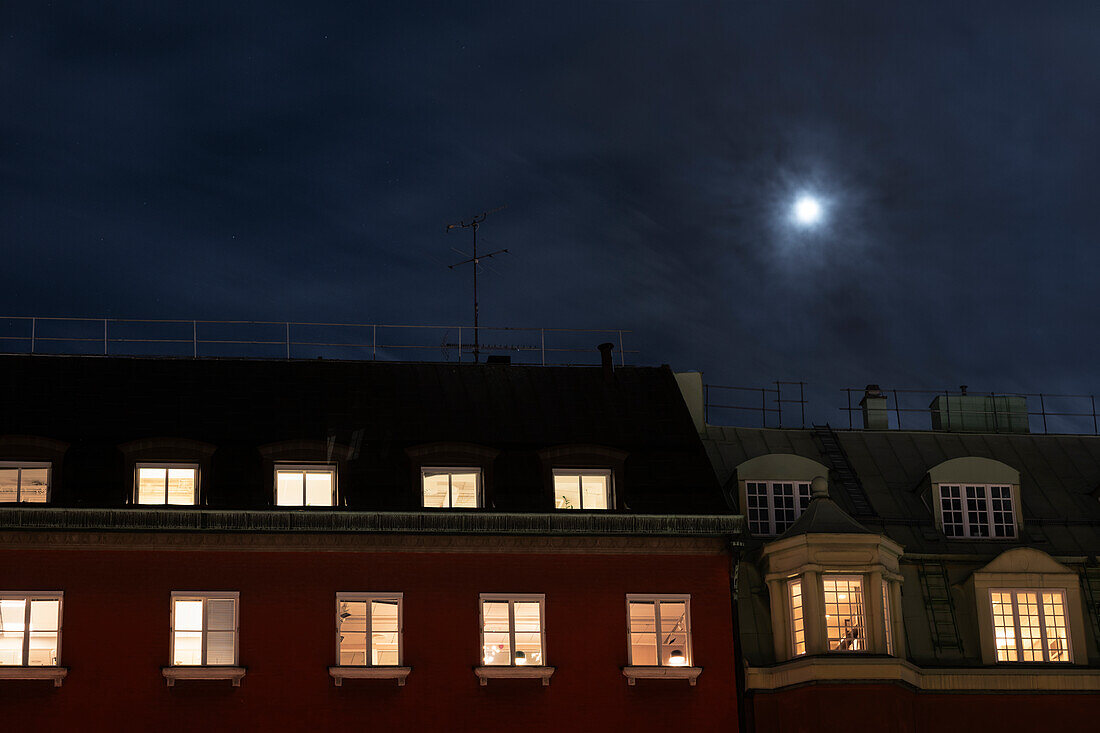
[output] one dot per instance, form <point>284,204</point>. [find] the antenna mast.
<point>474,223</point>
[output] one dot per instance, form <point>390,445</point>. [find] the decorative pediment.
<point>774,466</point>
<point>1025,560</point>
<point>973,470</point>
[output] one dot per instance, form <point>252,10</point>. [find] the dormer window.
<point>981,510</point>
<point>167,483</point>
<point>583,489</point>
<point>451,488</point>
<point>306,485</point>
<point>1030,625</point>
<point>24,482</point>
<point>773,506</point>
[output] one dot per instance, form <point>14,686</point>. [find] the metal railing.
<point>716,396</point>
<point>301,340</point>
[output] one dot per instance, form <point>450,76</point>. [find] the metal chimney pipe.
<point>606,361</point>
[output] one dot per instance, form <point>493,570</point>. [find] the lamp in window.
<point>676,658</point>
<point>521,657</point>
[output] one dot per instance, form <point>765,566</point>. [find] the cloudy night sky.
<point>278,161</point>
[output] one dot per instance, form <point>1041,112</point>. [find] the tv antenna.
<point>474,223</point>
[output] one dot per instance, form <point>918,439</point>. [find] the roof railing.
<point>716,398</point>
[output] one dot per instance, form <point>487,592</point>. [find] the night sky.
<point>236,160</point>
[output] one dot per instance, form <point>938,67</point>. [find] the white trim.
<point>205,596</point>
<point>341,672</point>
<point>773,529</point>
<point>579,473</point>
<point>304,468</point>
<point>987,496</point>
<point>479,492</point>
<point>1018,639</point>
<point>512,599</point>
<point>27,597</point>
<point>656,600</point>
<point>367,598</point>
<point>167,465</point>
<point>20,466</point>
<point>500,671</point>
<point>12,672</point>
<point>180,672</point>
<point>796,580</point>
<point>647,672</point>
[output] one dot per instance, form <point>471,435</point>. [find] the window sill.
<point>342,672</point>
<point>502,671</point>
<point>636,673</point>
<point>57,674</point>
<point>234,674</point>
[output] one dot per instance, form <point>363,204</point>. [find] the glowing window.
<point>305,485</point>
<point>30,629</point>
<point>798,627</point>
<point>844,628</point>
<point>1030,625</point>
<point>451,488</point>
<point>886,617</point>
<point>204,629</point>
<point>512,630</point>
<point>659,628</point>
<point>582,489</point>
<point>977,510</point>
<point>773,506</point>
<point>167,483</point>
<point>368,629</point>
<point>24,482</point>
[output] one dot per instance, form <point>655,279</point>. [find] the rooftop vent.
<point>964,413</point>
<point>875,413</point>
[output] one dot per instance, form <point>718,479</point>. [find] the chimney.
<point>606,361</point>
<point>876,416</point>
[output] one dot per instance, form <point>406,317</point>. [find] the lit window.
<point>886,617</point>
<point>22,481</point>
<point>368,629</point>
<point>451,488</point>
<point>1030,625</point>
<point>30,629</point>
<point>204,629</point>
<point>971,511</point>
<point>798,627</point>
<point>773,506</point>
<point>582,489</point>
<point>844,613</point>
<point>660,630</point>
<point>305,485</point>
<point>511,630</point>
<point>167,483</point>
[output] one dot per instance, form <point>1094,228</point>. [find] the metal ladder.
<point>936,592</point>
<point>842,468</point>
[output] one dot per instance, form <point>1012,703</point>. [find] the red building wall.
<point>116,637</point>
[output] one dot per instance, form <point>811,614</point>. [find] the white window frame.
<point>864,615</point>
<point>579,473</point>
<point>27,597</point>
<point>451,470</point>
<point>20,466</point>
<point>887,617</point>
<point>512,599</point>
<point>970,531</point>
<point>791,583</point>
<point>1012,592</point>
<point>769,484</point>
<point>303,468</point>
<point>167,465</point>
<point>368,598</point>
<point>205,596</point>
<point>657,600</point>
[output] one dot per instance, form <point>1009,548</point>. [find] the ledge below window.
<point>633,674</point>
<point>233,674</point>
<point>502,671</point>
<point>57,674</point>
<point>341,673</point>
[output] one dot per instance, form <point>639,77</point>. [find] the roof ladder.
<point>936,592</point>
<point>842,468</point>
<point>1092,596</point>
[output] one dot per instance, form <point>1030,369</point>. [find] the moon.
<point>807,210</point>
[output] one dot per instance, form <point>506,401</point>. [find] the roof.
<point>823,516</point>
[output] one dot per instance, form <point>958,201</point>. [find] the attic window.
<point>167,483</point>
<point>24,482</point>
<point>773,506</point>
<point>981,510</point>
<point>451,488</point>
<point>582,489</point>
<point>310,485</point>
<point>1030,625</point>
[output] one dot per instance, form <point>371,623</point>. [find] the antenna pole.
<point>475,224</point>
<point>477,343</point>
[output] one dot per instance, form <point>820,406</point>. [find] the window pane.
<point>643,636</point>
<point>798,629</point>
<point>844,614</point>
<point>674,647</point>
<point>886,617</point>
<point>44,615</point>
<point>181,485</point>
<point>351,623</point>
<point>219,614</point>
<point>642,616</point>
<point>1004,627</point>
<point>495,615</point>
<point>527,616</point>
<point>187,647</point>
<point>384,615</point>
<point>464,490</point>
<point>643,649</point>
<point>384,636</point>
<point>497,648</point>
<point>531,646</point>
<point>437,488</point>
<point>33,485</point>
<point>9,484</point>
<point>594,490</point>
<point>951,513</point>
<point>219,647</point>
<point>1054,622</point>
<point>1000,502</point>
<point>43,649</point>
<point>319,488</point>
<point>977,517</point>
<point>783,501</point>
<point>289,488</point>
<point>1031,640</point>
<point>12,618</point>
<point>151,485</point>
<point>567,492</point>
<point>188,616</point>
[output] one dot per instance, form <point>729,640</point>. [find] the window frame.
<point>368,598</point>
<point>1013,592</point>
<point>865,642</point>
<point>451,470</point>
<point>989,512</point>
<point>167,466</point>
<point>20,466</point>
<point>769,484</point>
<point>27,597</point>
<point>512,599</point>
<point>657,599</point>
<point>797,625</point>
<point>304,468</point>
<point>205,596</point>
<point>580,473</point>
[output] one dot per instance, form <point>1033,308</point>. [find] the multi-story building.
<point>213,544</point>
<point>917,581</point>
